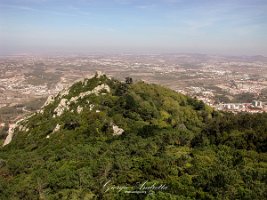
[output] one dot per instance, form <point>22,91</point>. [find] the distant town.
<point>234,84</point>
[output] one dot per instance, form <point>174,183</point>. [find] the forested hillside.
<point>104,139</point>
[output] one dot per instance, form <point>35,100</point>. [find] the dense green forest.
<point>172,147</point>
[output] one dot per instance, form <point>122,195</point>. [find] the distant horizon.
<point>128,53</point>
<point>229,27</point>
<point>154,52</point>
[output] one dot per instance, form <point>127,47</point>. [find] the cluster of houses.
<point>254,107</point>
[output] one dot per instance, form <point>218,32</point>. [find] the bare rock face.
<point>79,109</point>
<point>64,103</point>
<point>64,92</point>
<point>99,74</point>
<point>10,134</point>
<point>57,128</point>
<point>91,107</point>
<point>49,100</point>
<point>99,88</point>
<point>13,127</point>
<point>117,130</point>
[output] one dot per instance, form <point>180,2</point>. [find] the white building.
<point>257,104</point>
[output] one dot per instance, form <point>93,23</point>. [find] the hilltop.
<point>106,139</point>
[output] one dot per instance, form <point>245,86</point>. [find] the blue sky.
<point>230,27</point>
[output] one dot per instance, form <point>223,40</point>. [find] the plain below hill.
<point>106,139</point>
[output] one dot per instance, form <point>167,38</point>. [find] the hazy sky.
<point>231,27</point>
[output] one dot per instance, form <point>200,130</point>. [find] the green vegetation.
<point>169,139</point>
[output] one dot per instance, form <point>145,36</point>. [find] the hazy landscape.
<point>26,81</point>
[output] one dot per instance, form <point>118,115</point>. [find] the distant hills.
<point>106,139</point>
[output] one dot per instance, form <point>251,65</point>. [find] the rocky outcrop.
<point>10,134</point>
<point>49,100</point>
<point>79,109</point>
<point>56,129</point>
<point>12,128</point>
<point>64,92</point>
<point>64,103</point>
<point>117,130</point>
